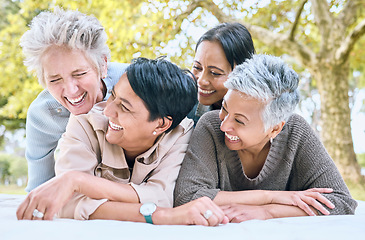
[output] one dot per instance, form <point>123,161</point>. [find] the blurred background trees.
<point>322,39</point>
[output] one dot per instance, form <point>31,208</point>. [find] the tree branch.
<point>344,50</point>
<point>297,17</point>
<point>322,15</point>
<point>348,15</point>
<point>323,20</point>
<point>180,17</point>
<point>191,8</point>
<point>303,54</point>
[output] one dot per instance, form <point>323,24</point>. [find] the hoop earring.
<point>271,140</point>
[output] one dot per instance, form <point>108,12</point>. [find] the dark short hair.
<point>235,39</point>
<point>166,90</point>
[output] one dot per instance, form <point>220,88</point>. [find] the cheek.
<point>91,83</point>
<point>219,84</point>
<point>55,91</point>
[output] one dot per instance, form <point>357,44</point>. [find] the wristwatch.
<point>147,209</point>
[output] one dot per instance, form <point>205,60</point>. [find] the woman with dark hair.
<point>123,164</point>
<point>217,52</point>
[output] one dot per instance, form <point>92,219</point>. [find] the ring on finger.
<point>208,214</point>
<point>37,214</point>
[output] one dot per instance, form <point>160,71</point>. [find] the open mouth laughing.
<point>115,126</point>
<point>232,138</point>
<point>78,100</point>
<point>205,92</point>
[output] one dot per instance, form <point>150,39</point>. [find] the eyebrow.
<point>210,66</point>
<point>122,99</point>
<point>238,114</point>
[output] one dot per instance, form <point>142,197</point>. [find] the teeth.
<point>77,100</point>
<point>231,137</point>
<point>114,126</point>
<point>206,91</point>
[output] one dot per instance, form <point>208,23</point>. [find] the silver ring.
<point>208,214</point>
<point>37,214</point>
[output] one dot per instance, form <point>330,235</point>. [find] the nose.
<point>225,124</point>
<point>71,86</point>
<point>202,78</point>
<point>110,110</point>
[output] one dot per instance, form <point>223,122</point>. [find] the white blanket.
<point>323,227</point>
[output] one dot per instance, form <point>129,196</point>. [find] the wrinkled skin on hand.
<point>48,199</point>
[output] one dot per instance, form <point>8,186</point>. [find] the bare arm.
<point>191,213</point>
<point>305,201</point>
<point>238,213</point>
<point>100,188</point>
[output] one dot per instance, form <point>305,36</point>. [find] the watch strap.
<point>148,219</point>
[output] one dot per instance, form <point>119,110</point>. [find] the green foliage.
<point>12,167</point>
<point>361,159</point>
<point>150,29</point>
<point>18,167</point>
<point>4,169</point>
<point>134,28</point>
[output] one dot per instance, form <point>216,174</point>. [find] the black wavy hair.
<point>166,90</point>
<point>235,39</point>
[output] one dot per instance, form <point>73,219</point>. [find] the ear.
<point>277,129</point>
<point>163,125</point>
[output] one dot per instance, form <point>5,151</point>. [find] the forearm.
<point>280,211</point>
<point>248,197</point>
<point>100,188</point>
<point>130,212</point>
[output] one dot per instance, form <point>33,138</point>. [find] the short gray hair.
<point>71,29</point>
<point>271,81</point>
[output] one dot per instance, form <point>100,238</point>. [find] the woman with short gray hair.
<point>257,159</point>
<point>68,52</point>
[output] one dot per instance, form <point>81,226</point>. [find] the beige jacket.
<point>83,147</point>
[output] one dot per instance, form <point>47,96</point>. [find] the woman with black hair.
<point>217,53</point>
<point>121,160</point>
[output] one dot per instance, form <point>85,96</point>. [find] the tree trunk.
<point>336,135</point>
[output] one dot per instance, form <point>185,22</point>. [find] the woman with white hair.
<point>68,52</point>
<point>253,153</point>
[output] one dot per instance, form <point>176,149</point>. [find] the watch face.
<point>147,209</point>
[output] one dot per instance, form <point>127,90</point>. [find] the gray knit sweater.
<point>297,160</point>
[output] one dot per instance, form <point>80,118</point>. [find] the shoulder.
<point>115,68</point>
<point>210,120</point>
<point>208,128</point>
<point>46,112</point>
<point>298,126</point>
<point>180,134</point>
<point>46,102</point>
<point>94,120</point>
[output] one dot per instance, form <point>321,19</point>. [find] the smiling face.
<point>211,68</point>
<point>71,79</point>
<point>242,123</point>
<point>129,125</point>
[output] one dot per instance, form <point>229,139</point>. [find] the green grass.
<point>12,189</point>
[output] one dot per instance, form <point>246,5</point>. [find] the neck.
<point>102,92</point>
<point>253,161</point>
<point>131,154</point>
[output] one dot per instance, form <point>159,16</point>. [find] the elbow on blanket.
<point>344,207</point>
